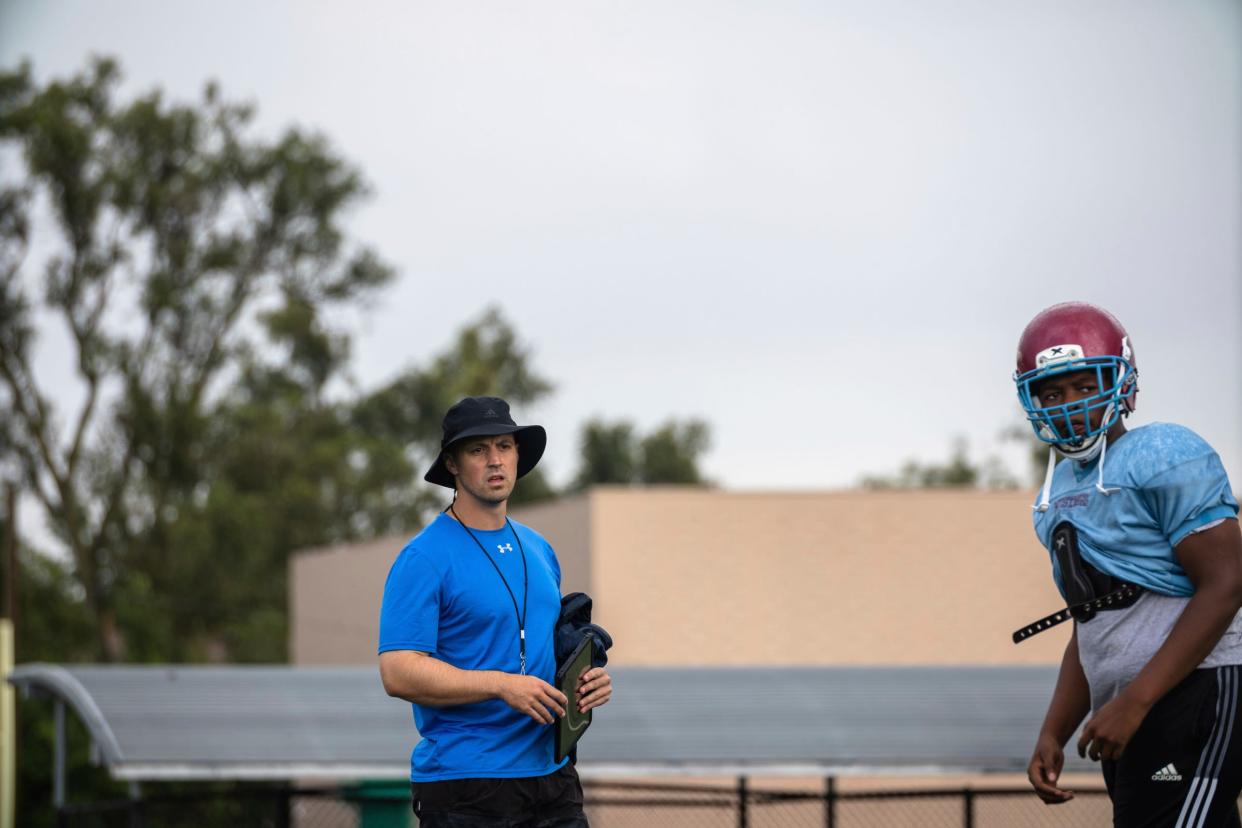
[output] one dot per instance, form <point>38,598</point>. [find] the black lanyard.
<point>521,616</point>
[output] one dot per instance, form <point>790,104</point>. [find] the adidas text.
<point>1167,774</point>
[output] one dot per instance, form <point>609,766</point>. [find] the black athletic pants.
<point>552,801</point>
<point>1183,768</point>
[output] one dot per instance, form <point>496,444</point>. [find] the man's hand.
<point>594,689</point>
<point>1045,769</point>
<point>533,696</point>
<point>1110,730</point>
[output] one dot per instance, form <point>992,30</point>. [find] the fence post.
<point>137,809</point>
<point>830,802</point>
<point>58,754</point>
<point>282,806</point>
<point>968,808</point>
<point>742,803</point>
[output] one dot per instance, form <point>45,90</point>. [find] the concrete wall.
<point>700,577</point>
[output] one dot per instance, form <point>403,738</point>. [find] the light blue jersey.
<point>1164,482</point>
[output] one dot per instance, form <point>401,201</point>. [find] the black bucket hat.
<point>485,417</point>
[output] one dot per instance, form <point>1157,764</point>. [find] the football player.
<point>1141,526</point>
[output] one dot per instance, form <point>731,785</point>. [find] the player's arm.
<point>420,678</point>
<point>1213,562</point>
<point>1071,701</point>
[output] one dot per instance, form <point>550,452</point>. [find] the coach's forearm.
<point>419,678</point>
<point>1071,700</point>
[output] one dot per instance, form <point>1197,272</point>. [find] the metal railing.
<point>612,804</point>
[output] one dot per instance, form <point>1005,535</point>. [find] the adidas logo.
<point>1167,774</point>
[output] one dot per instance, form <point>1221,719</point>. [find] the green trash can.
<point>382,803</point>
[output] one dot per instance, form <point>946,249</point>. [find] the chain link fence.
<point>628,805</point>
<point>613,805</point>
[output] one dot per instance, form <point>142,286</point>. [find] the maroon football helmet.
<point>1076,336</point>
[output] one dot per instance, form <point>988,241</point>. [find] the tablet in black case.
<point>571,726</point>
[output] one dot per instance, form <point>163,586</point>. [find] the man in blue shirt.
<point>1141,528</point>
<point>466,635</point>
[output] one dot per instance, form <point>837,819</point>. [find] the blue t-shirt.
<point>1168,483</point>
<point>442,597</point>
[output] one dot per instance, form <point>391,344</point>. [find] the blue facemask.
<point>1114,376</point>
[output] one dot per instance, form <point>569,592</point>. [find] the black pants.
<point>1183,768</point>
<point>552,801</point>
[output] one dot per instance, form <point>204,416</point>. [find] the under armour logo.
<point>504,547</point>
<point>1057,350</point>
<point>491,412</point>
<point>1060,541</point>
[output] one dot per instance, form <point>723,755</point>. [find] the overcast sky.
<point>819,226</point>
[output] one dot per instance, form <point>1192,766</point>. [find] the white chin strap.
<point>1100,447</point>
<point>1046,491</point>
<point>1099,480</point>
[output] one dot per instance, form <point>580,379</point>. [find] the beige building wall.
<point>566,524</point>
<point>684,576</point>
<point>334,599</point>
<point>694,577</point>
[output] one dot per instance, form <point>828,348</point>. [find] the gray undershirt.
<point>1115,645</point>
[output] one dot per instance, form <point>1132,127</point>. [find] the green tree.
<point>195,269</point>
<point>184,248</point>
<point>958,472</point>
<point>671,453</point>
<point>614,453</point>
<point>607,454</point>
